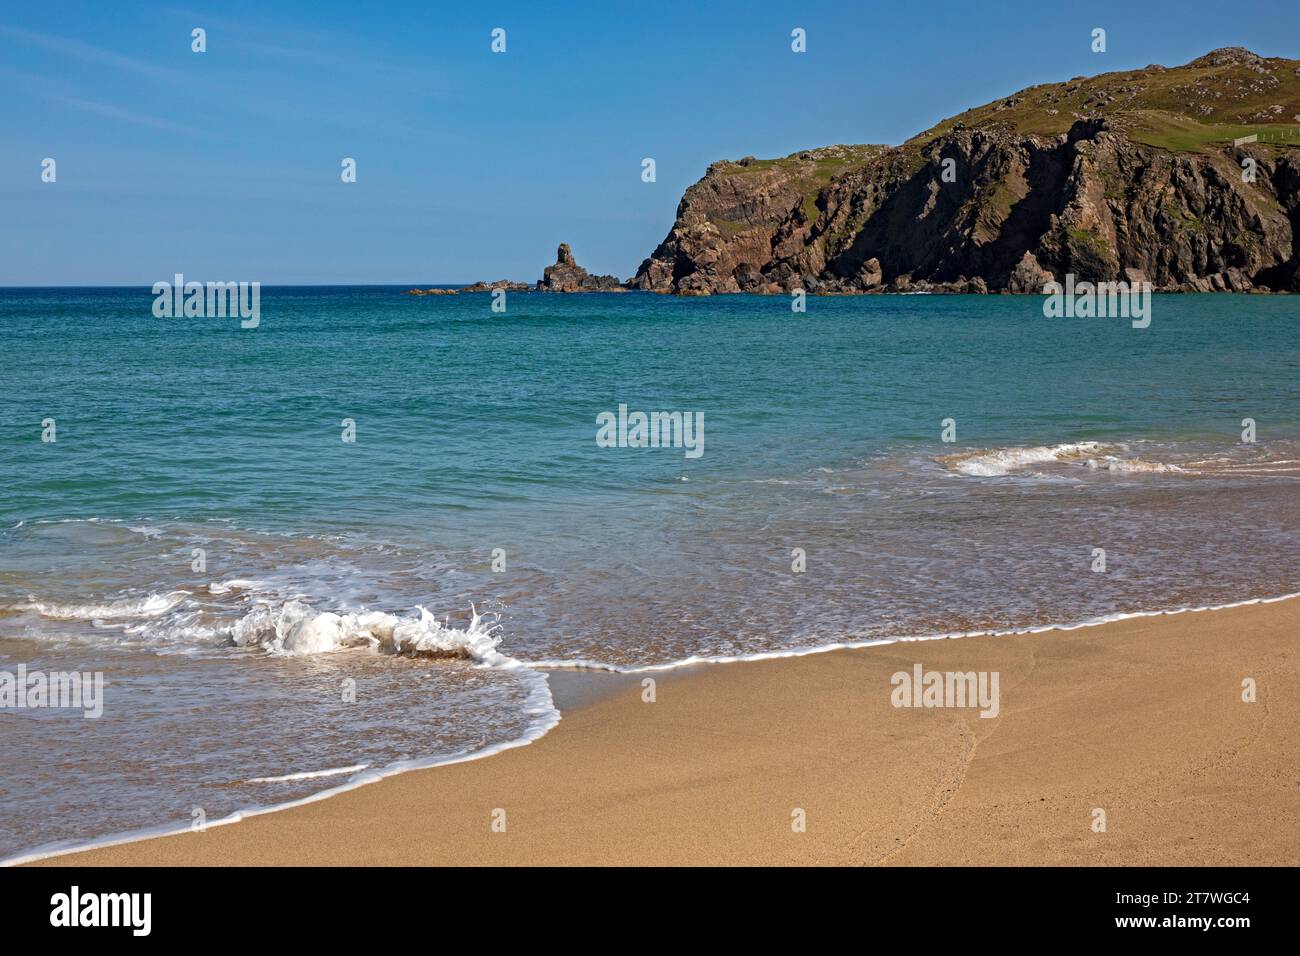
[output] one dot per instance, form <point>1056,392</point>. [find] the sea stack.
<point>567,276</point>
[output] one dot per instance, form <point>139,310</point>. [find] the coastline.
<point>488,288</point>
<point>1141,717</point>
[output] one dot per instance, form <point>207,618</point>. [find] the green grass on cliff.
<point>1201,105</point>
<point>1181,134</point>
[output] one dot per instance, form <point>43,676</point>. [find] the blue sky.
<point>472,165</point>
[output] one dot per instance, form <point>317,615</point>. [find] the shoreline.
<point>582,737</point>
<point>445,289</point>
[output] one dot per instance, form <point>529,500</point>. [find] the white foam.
<point>1003,461</point>
<point>234,584</point>
<point>294,627</point>
<point>696,661</point>
<point>999,462</point>
<point>1111,463</point>
<point>309,774</point>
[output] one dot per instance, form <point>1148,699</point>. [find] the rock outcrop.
<point>500,284</point>
<point>1109,177</point>
<point>567,276</point>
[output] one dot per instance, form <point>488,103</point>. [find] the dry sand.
<point>1143,719</point>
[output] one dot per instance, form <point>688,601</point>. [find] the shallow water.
<point>476,431</point>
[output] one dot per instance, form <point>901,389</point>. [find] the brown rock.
<point>1028,276</point>
<point>567,276</point>
<point>505,284</point>
<point>871,276</point>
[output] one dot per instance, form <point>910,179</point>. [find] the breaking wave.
<point>296,628</point>
<point>992,463</point>
<point>1112,463</point>
<point>291,628</point>
<point>1095,456</point>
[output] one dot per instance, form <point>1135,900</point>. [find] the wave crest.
<point>996,462</point>
<point>296,628</point>
<point>1111,463</point>
<point>150,606</point>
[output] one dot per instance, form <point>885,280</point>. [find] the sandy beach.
<point>1142,718</point>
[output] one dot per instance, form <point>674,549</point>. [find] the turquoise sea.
<point>277,611</point>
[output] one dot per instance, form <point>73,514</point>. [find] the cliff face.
<point>1129,175</point>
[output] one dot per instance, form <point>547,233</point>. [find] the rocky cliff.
<point>1124,175</point>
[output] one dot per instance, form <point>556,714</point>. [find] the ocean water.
<point>347,620</point>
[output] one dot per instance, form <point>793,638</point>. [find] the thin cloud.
<point>89,53</point>
<point>298,41</point>
<point>126,116</point>
<point>50,88</point>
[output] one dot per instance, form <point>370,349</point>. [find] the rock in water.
<point>567,276</point>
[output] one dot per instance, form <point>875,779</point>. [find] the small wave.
<point>151,606</point>
<point>296,628</point>
<point>309,775</point>
<point>175,632</point>
<point>696,660</point>
<point>1111,463</point>
<point>1003,461</point>
<point>234,584</point>
<point>1261,464</point>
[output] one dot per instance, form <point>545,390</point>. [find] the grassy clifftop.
<point>1226,94</point>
